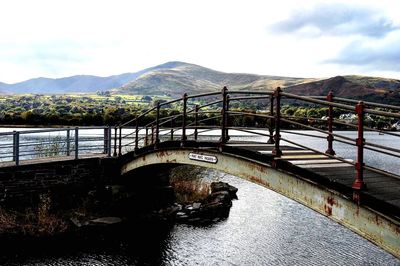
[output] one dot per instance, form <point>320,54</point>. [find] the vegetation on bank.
<point>106,109</point>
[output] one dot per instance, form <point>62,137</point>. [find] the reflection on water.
<point>263,228</point>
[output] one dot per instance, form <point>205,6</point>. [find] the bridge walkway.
<point>381,189</point>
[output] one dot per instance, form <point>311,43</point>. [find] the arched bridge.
<point>315,157</point>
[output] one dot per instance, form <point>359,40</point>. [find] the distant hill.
<point>356,87</point>
<point>174,78</point>
<point>79,83</point>
<point>183,77</point>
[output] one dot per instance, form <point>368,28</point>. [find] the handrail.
<point>22,147</point>
<point>213,110</point>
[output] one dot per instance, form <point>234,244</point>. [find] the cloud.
<point>336,19</point>
<point>378,55</point>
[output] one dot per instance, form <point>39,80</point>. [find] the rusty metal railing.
<point>216,112</point>
<point>21,145</point>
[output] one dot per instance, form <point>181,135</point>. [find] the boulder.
<point>106,220</point>
<point>222,186</point>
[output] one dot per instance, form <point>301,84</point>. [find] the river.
<point>263,228</point>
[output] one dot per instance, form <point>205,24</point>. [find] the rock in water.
<point>222,186</point>
<point>106,220</point>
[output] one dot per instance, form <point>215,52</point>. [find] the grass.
<point>33,221</point>
<point>189,184</point>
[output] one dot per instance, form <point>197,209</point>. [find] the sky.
<point>308,38</point>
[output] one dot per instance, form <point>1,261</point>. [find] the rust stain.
<point>398,230</point>
<point>257,167</point>
<point>377,220</point>
<point>161,154</point>
<point>328,210</point>
<point>331,201</point>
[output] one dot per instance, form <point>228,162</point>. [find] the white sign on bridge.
<point>203,158</point>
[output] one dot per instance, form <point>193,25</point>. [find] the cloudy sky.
<point>309,38</point>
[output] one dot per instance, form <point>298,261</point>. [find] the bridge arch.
<point>383,231</point>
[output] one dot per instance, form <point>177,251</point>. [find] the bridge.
<point>219,130</point>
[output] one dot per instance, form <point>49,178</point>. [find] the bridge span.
<point>350,191</point>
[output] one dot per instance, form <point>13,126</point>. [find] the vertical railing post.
<point>359,182</point>
<point>157,139</point>
<point>76,143</point>
<point>196,121</point>
<point>137,134</point>
<point>16,147</point>
<point>271,120</point>
<point>13,146</point>
<point>152,134</point>
<point>330,137</point>
<point>115,141</point>
<point>109,134</point>
<point>105,140</point>
<point>227,118</point>
<point>120,141</point>
<point>224,94</point>
<point>277,150</point>
<point>146,139</point>
<point>172,129</point>
<point>183,137</point>
<point>68,142</point>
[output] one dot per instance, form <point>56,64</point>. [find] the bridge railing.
<point>226,112</point>
<point>73,142</point>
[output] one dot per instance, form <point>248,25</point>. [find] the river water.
<point>263,228</point>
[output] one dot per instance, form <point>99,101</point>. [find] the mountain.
<point>79,83</point>
<point>182,77</point>
<point>175,78</point>
<point>356,87</point>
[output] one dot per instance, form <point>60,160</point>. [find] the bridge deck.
<point>379,186</point>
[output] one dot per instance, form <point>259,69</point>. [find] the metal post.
<point>358,182</point>
<point>105,140</point>
<point>330,137</point>
<point>137,134</point>
<point>76,143</point>
<point>227,118</point>
<point>109,141</point>
<point>120,142</point>
<point>271,120</point>
<point>223,116</point>
<point>157,140</point>
<point>172,129</point>
<point>68,142</point>
<point>16,147</point>
<point>115,141</point>
<point>196,121</point>
<point>277,150</point>
<point>14,144</point>
<point>184,138</point>
<point>147,137</point>
<point>152,134</point>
